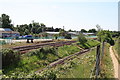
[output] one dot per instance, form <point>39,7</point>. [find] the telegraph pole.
<point>97,70</point>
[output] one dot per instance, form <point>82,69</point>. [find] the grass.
<point>90,43</point>
<point>82,67</point>
<point>79,67</point>
<point>37,59</point>
<point>106,64</point>
<point>30,63</point>
<point>117,46</point>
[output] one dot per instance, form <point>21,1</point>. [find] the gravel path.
<point>115,64</point>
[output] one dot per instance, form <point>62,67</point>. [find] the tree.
<point>42,25</point>
<point>26,32</point>
<point>33,30</point>
<point>82,39</point>
<point>68,36</point>
<point>83,31</point>
<point>57,29</point>
<point>56,36</point>
<point>92,31</point>
<point>105,36</point>
<point>6,22</point>
<point>62,32</point>
<point>39,29</point>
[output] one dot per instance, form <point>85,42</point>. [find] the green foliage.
<point>88,44</point>
<point>117,46</point>
<point>9,56</point>
<point>6,22</point>
<point>104,35</point>
<point>83,31</point>
<point>92,31</point>
<point>77,67</point>
<point>106,64</point>
<point>2,42</point>
<point>82,39</point>
<point>68,36</point>
<point>62,32</point>
<point>38,59</point>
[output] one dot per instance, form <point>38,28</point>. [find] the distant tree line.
<point>36,28</point>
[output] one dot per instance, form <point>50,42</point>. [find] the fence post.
<point>97,61</point>
<point>103,49</point>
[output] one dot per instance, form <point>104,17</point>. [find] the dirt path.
<point>115,63</point>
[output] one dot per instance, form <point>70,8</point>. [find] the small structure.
<point>73,33</point>
<point>89,34</point>
<point>29,37</point>
<point>7,32</point>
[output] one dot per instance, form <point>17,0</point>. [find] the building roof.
<point>88,33</point>
<point>75,33</point>
<point>5,29</point>
<point>52,32</point>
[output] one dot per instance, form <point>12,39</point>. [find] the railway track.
<point>30,47</point>
<point>61,61</point>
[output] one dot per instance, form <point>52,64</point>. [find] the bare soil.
<point>115,64</point>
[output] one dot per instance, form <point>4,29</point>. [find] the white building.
<point>7,32</point>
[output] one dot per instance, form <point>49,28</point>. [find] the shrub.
<point>2,42</point>
<point>9,56</point>
<point>82,39</point>
<point>68,36</point>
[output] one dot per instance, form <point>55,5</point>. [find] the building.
<point>89,34</point>
<point>7,32</point>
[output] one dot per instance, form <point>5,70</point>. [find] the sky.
<point>72,14</point>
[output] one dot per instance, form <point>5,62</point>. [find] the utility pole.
<point>63,27</point>
<point>97,70</point>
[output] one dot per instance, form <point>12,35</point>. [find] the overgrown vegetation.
<point>39,58</point>
<point>78,67</point>
<point>89,44</point>
<point>9,57</point>
<point>117,45</point>
<point>106,65</point>
<point>2,42</point>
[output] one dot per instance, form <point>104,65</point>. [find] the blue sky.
<point>73,14</point>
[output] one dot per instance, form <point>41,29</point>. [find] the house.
<point>7,32</point>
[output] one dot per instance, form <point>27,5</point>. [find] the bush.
<point>68,36</point>
<point>82,39</point>
<point>112,42</point>
<point>42,52</point>
<point>2,42</point>
<point>9,56</point>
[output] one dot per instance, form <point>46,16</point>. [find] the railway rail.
<point>30,47</point>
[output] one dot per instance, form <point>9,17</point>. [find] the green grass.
<point>90,43</point>
<point>117,46</point>
<point>30,62</point>
<point>106,64</point>
<point>37,59</point>
<point>82,67</point>
<point>79,67</point>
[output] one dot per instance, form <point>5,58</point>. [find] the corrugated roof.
<point>5,29</point>
<point>52,32</point>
